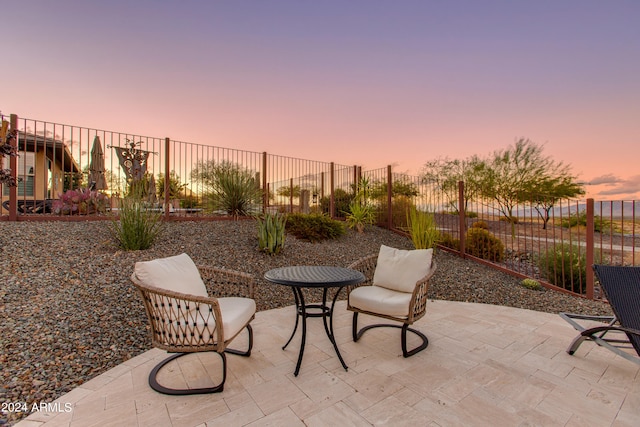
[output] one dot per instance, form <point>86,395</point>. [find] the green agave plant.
<point>271,233</point>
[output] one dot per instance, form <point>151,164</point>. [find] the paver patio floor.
<point>485,365</point>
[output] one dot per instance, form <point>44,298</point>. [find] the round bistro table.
<point>307,276</point>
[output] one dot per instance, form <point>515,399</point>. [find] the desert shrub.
<point>138,227</point>
<point>480,224</point>
<point>468,214</point>
<point>271,233</point>
<point>531,284</point>
<point>483,244</point>
<point>341,199</point>
<point>400,205</point>
<point>80,202</point>
<point>314,227</point>
<point>580,219</point>
<point>448,241</point>
<point>510,220</point>
<point>189,202</point>
<point>565,266</point>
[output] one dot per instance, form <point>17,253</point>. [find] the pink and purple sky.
<point>356,82</point>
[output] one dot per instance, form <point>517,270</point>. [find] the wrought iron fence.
<point>58,162</point>
<point>60,165</point>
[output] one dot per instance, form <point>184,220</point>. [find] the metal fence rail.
<point>181,179</point>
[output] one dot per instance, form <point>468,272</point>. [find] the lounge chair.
<point>31,206</point>
<point>395,289</point>
<point>185,319</point>
<point>621,332</point>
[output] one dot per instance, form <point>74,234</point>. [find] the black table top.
<point>314,276</point>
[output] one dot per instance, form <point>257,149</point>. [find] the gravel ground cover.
<point>68,311</point>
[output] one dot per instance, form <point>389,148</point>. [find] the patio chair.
<point>395,289</point>
<point>621,332</point>
<point>185,319</point>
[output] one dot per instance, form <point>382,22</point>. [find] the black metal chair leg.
<point>153,382</point>
<point>405,327</point>
<point>354,327</point>
<point>423,337</point>
<point>246,353</point>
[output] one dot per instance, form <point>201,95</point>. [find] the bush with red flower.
<point>81,201</point>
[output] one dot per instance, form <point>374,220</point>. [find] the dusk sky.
<point>356,82</point>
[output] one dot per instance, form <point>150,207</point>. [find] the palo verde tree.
<point>445,174</point>
<point>378,190</point>
<point>548,190</point>
<point>522,173</point>
<point>286,191</point>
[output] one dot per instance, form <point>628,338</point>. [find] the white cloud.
<point>616,186</point>
<point>608,179</point>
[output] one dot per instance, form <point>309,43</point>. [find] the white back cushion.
<point>399,270</point>
<point>177,273</point>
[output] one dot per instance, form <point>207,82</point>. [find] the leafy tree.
<point>175,185</point>
<point>515,174</point>
<point>548,190</point>
<point>117,183</point>
<point>341,198</point>
<point>446,173</point>
<point>378,190</point>
<point>286,191</point>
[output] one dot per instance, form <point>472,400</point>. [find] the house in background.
<point>43,164</point>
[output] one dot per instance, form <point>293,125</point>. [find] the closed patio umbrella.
<point>97,179</point>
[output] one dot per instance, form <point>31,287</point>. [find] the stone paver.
<point>485,365</point>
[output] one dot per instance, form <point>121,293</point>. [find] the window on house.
<point>26,171</point>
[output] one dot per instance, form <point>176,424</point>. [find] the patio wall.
<point>289,184</point>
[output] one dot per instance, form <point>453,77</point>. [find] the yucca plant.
<point>360,215</point>
<point>271,233</point>
<point>361,212</point>
<point>422,229</point>
<point>138,227</point>
<point>236,192</point>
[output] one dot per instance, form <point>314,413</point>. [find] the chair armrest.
<point>366,266</point>
<point>418,304</point>
<point>172,317</point>
<point>222,282</point>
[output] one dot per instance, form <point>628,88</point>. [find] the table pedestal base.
<point>325,312</point>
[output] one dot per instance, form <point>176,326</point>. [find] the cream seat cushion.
<point>177,273</point>
<point>377,299</point>
<point>399,270</point>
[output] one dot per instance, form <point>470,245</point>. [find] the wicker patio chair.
<point>395,289</point>
<point>621,332</point>
<point>185,319</point>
